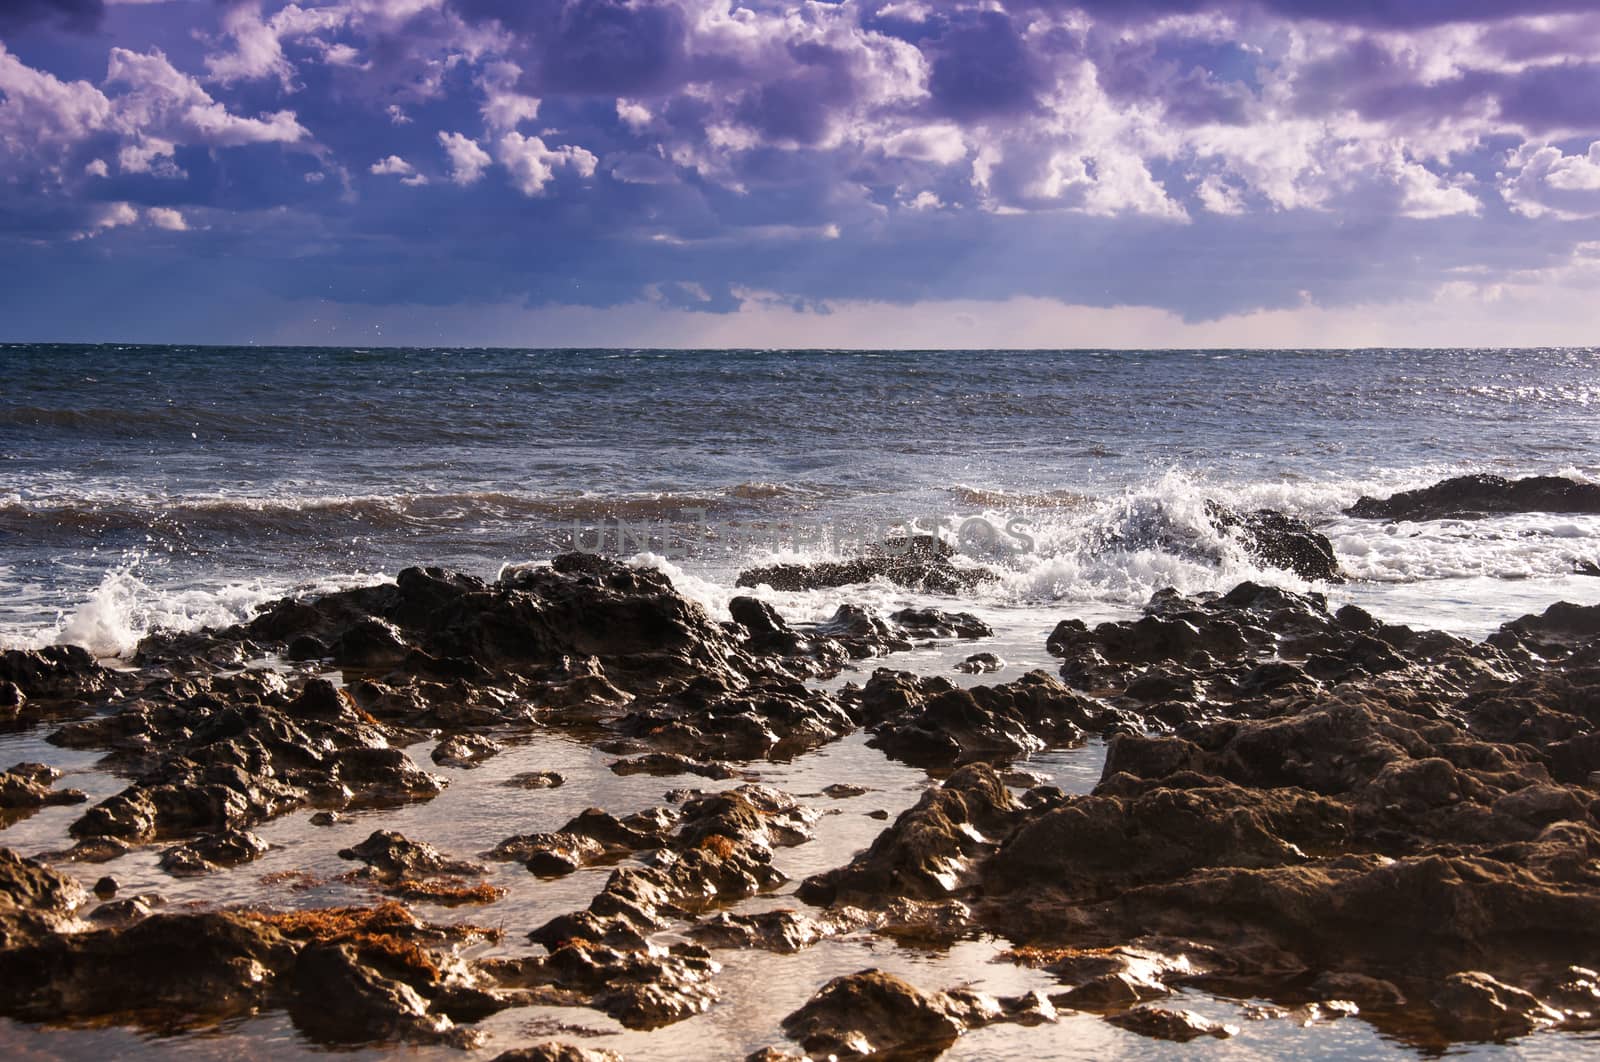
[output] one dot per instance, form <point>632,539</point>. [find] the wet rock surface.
<point>1465,497</point>
<point>921,562</point>
<point>1347,818</point>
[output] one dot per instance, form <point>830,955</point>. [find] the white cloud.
<point>941,144</point>
<point>467,159</point>
<point>166,218</point>
<point>1545,181</point>
<point>395,166</point>
<point>532,165</point>
<point>634,115</point>
<point>503,106</point>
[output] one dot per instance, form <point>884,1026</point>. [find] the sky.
<point>1031,173</point>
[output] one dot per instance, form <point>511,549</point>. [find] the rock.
<point>339,999</point>
<point>667,763</point>
<point>1280,541</point>
<point>391,858</point>
<point>872,1012</point>
<point>535,780</point>
<point>1474,1006</point>
<point>920,562</point>
<point>27,786</point>
<point>981,663</point>
<point>326,818</point>
<point>552,1051</point>
<point>929,851</point>
<point>931,721</point>
<point>550,854</point>
<point>213,851</point>
<point>1482,495</point>
<point>33,899</point>
<point>937,623</point>
<point>845,790</point>
<point>643,989</point>
<point>1163,1024</point>
<point>464,750</point>
<point>106,887</point>
<point>1368,992</point>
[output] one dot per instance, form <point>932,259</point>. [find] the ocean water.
<point>178,486</point>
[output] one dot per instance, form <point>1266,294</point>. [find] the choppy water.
<point>181,485</point>
<point>178,486</point>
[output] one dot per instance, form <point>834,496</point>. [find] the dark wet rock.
<point>920,562</point>
<point>1109,978</point>
<point>464,750</point>
<point>720,852</point>
<point>980,664</point>
<point>33,898</point>
<point>774,1054</point>
<point>1556,632</point>
<point>1162,1023</point>
<point>52,674</point>
<point>642,989</point>
<point>1367,992</point>
<point>535,780</point>
<point>665,764</point>
<point>930,850</point>
<point>876,1013</point>
<point>106,887</point>
<point>553,1051</point>
<point>326,818</point>
<point>1474,1006</point>
<point>27,786</point>
<point>212,851</point>
<point>126,911</point>
<point>390,857</point>
<point>552,854</point>
<point>939,624</point>
<point>930,720</point>
<point>337,998</point>
<point>1279,541</point>
<point>11,698</point>
<point>782,930</point>
<point>1483,495</point>
<point>227,752</point>
<point>844,790</point>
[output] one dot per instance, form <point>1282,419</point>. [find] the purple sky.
<point>902,173</point>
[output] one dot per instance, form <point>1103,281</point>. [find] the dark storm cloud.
<point>78,16</point>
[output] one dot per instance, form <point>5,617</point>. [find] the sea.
<point>177,486</point>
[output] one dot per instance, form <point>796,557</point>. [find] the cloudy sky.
<point>706,172</point>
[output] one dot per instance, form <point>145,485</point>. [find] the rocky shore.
<point>1310,809</point>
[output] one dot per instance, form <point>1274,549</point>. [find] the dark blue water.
<point>192,470</point>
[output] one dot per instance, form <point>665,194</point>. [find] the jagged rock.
<point>920,562</point>
<point>1280,541</point>
<point>552,1051</point>
<point>1474,1006</point>
<point>1482,495</point>
<point>1163,1024</point>
<point>390,857</point>
<point>27,786</point>
<point>980,664</point>
<point>535,780</point>
<point>464,750</point>
<point>210,852</point>
<point>876,1013</point>
<point>667,763</point>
